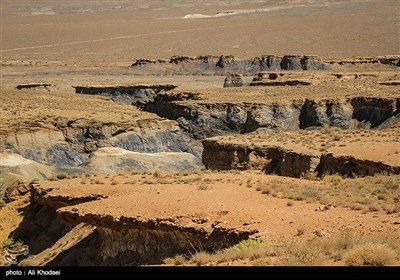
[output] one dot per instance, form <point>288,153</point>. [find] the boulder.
<point>234,80</point>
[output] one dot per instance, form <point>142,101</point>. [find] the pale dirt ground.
<point>228,198</point>
<point>33,109</point>
<point>118,32</point>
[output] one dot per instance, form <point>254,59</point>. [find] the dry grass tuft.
<point>347,248</point>
<point>203,186</point>
<point>369,194</point>
<point>370,254</point>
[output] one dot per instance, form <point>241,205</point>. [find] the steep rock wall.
<point>113,240</point>
<point>70,142</point>
<point>218,155</point>
<point>202,120</point>
<point>226,64</point>
<point>125,94</point>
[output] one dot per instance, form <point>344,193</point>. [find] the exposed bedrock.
<point>374,111</point>
<point>133,241</point>
<point>391,60</point>
<point>218,155</point>
<point>202,120</point>
<point>57,231</point>
<point>125,94</point>
<point>35,85</point>
<point>70,142</point>
<point>226,64</point>
<point>115,159</point>
<point>350,166</point>
<point>234,80</point>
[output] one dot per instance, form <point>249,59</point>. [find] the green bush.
<point>9,242</point>
<point>247,245</point>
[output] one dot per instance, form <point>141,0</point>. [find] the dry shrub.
<point>177,260</point>
<point>300,231</point>
<point>162,181</point>
<point>310,176</point>
<point>157,174</point>
<point>246,249</point>
<point>334,179</point>
<point>62,176</point>
<point>370,254</point>
<point>367,194</point>
<point>203,186</point>
<point>202,258</point>
<point>299,254</point>
<point>312,193</point>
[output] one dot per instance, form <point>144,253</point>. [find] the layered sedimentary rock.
<point>234,80</point>
<point>125,94</point>
<point>114,159</point>
<point>203,119</point>
<point>228,64</point>
<point>284,100</point>
<point>70,142</point>
<point>225,64</point>
<point>288,154</point>
<point>35,85</point>
<point>84,225</point>
<point>16,172</point>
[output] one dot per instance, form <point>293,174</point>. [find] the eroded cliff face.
<point>132,241</point>
<point>57,231</point>
<point>125,94</point>
<point>221,155</point>
<point>277,160</point>
<point>203,119</point>
<point>226,64</point>
<point>70,142</point>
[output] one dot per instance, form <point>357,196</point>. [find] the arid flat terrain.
<point>112,32</point>
<point>205,133</point>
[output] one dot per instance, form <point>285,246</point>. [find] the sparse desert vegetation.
<point>369,194</point>
<point>347,248</point>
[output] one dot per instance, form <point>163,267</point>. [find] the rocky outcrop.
<point>70,142</point>
<point>116,159</point>
<point>279,79</point>
<point>16,172</point>
<point>221,155</point>
<point>134,241</point>
<point>125,94</point>
<point>203,119</point>
<point>234,80</point>
<point>374,111</point>
<point>225,64</point>
<point>276,160</point>
<point>390,60</point>
<point>48,146</point>
<point>34,85</point>
<point>350,166</point>
<point>302,62</point>
<point>57,219</point>
<point>299,78</point>
<point>25,168</point>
